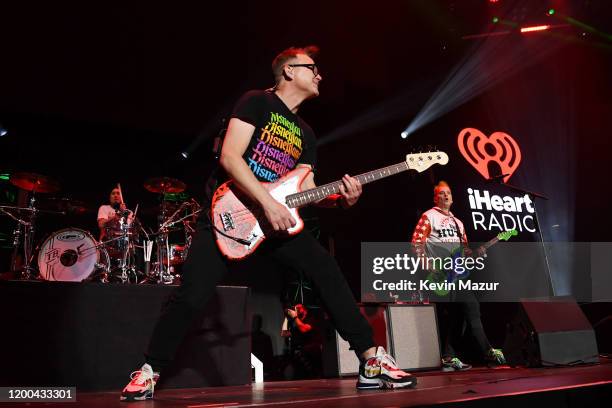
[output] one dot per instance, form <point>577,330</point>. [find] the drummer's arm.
<point>103,221</point>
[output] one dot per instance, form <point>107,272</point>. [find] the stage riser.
<point>93,335</point>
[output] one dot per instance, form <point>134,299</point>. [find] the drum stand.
<point>126,263</point>
<point>25,228</point>
<point>163,272</point>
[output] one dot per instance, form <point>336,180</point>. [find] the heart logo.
<point>479,150</point>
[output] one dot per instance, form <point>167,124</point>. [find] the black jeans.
<point>205,267</point>
<point>462,308</point>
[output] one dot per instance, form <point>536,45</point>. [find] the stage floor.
<point>478,386</point>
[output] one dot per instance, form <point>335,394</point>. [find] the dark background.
<point>94,94</point>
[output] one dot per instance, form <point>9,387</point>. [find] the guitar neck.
<point>490,243</point>
<point>318,193</point>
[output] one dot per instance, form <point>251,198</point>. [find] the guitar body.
<point>443,276</point>
<point>235,215</point>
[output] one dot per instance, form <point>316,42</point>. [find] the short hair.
<point>438,186</point>
<point>284,56</point>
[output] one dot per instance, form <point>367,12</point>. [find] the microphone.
<point>497,178</point>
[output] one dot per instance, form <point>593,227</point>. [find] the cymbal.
<point>164,185</point>
<point>34,182</point>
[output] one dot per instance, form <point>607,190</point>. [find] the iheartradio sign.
<point>491,212</point>
<point>481,150</point>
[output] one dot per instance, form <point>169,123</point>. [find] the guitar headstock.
<point>422,161</point>
<point>504,236</point>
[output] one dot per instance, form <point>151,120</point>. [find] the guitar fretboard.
<point>490,243</point>
<point>318,193</point>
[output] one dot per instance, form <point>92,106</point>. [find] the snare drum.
<point>70,255</point>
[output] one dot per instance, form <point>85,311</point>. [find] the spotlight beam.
<point>490,61</point>
<point>387,110</point>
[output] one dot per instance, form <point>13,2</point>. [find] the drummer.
<point>110,214</point>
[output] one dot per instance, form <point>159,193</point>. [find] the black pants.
<point>462,309</point>
<point>205,267</point>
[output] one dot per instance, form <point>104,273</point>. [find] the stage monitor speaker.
<point>338,360</point>
<point>554,332</point>
<point>414,336</point>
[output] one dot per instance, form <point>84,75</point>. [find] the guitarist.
<point>266,139</point>
<point>438,234</point>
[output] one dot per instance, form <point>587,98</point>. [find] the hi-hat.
<point>164,185</point>
<point>34,182</point>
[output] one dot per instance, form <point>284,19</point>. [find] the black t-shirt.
<point>281,138</point>
<point>280,141</point>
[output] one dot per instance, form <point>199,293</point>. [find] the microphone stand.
<point>533,195</point>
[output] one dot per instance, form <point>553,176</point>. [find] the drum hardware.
<point>148,249</point>
<point>125,263</point>
<point>25,228</point>
<point>170,255</point>
<point>162,271</point>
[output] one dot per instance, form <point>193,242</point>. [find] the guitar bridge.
<point>227,221</point>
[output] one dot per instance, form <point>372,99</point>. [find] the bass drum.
<point>71,255</point>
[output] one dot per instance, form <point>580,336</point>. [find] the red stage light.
<point>534,28</point>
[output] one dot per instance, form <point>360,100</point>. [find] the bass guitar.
<point>240,225</point>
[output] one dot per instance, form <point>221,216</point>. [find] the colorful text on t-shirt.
<point>278,149</point>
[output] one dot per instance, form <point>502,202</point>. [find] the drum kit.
<point>124,252</point>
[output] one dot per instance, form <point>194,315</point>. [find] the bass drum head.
<point>69,255</point>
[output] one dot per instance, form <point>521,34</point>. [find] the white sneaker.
<point>142,385</point>
<point>381,371</point>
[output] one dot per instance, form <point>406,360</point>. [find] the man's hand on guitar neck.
<point>350,191</point>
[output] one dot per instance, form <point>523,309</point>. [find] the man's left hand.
<point>350,190</point>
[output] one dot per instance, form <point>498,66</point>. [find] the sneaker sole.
<point>384,383</point>
<point>136,398</point>
<point>451,369</point>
